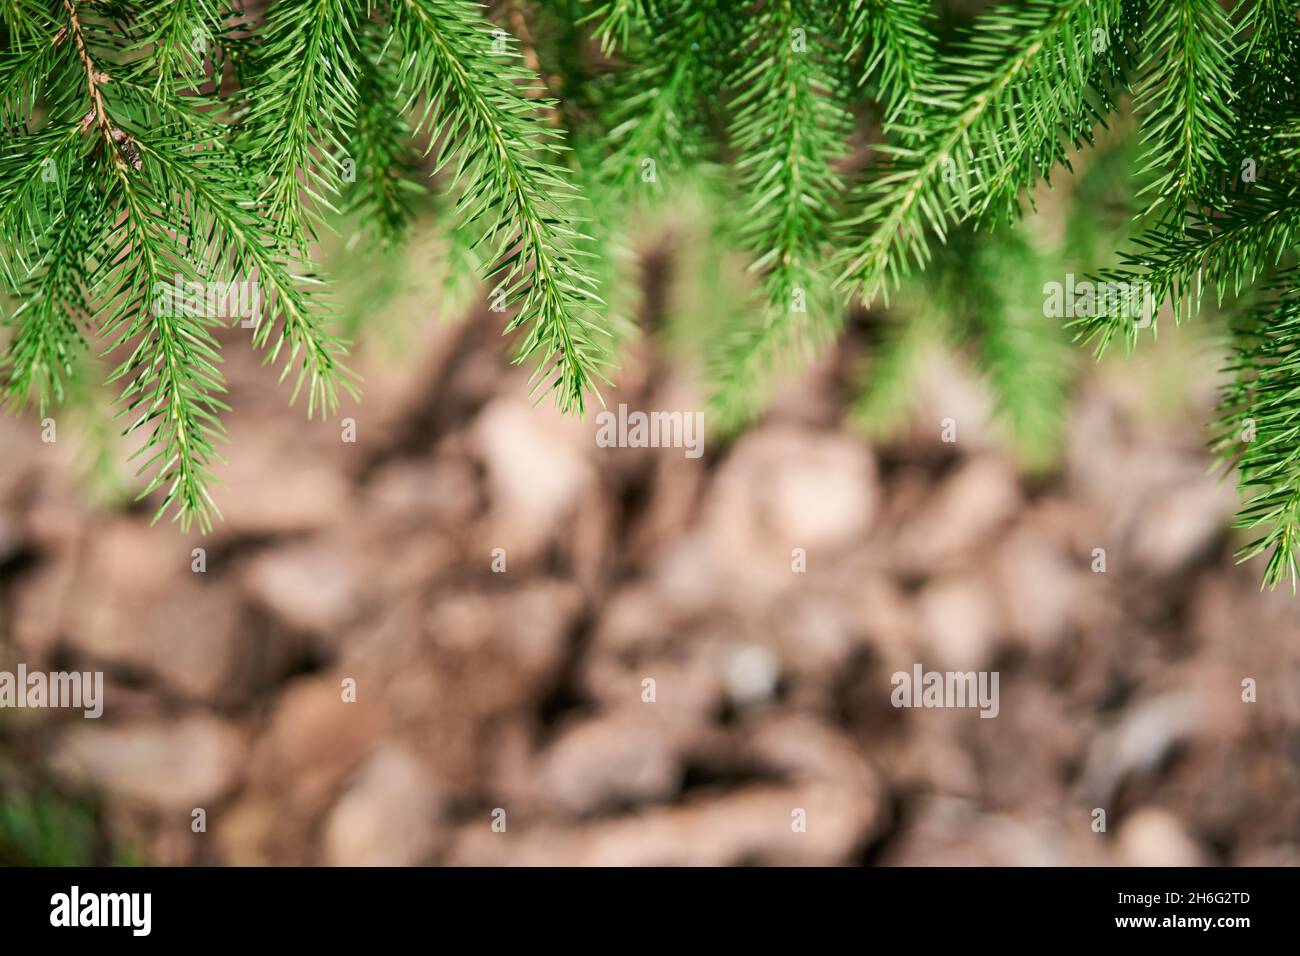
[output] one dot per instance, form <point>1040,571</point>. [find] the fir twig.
<point>480,119</point>
<point>789,130</point>
<point>1032,81</point>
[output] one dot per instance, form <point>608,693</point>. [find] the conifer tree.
<point>865,157</point>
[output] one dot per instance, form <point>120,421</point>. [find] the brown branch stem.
<point>94,77</point>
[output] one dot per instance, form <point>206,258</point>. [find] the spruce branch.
<point>1258,429</point>
<point>1185,101</point>
<point>40,358</point>
<point>94,77</point>
<point>48,210</point>
<point>657,123</point>
<point>171,381</point>
<point>294,315</point>
<point>130,190</point>
<point>1227,251</point>
<point>171,384</point>
<point>303,94</point>
<point>36,50</point>
<point>236,238</point>
<point>1034,80</point>
<point>899,55</point>
<point>789,131</point>
<point>386,162</point>
<point>176,37</point>
<point>34,169</point>
<point>480,119</point>
<point>1271,54</point>
<point>1267,103</point>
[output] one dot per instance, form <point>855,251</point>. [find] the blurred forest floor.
<point>522,691</point>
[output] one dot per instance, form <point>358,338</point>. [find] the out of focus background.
<point>500,588</point>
